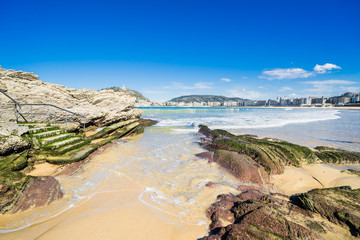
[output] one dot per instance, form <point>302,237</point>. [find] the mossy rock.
<point>274,154</point>
<point>331,155</point>
<point>111,128</point>
<point>19,164</point>
<point>72,156</point>
<point>339,205</point>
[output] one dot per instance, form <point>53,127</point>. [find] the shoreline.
<point>295,107</point>
<point>119,208</point>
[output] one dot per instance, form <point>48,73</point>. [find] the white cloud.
<point>226,79</point>
<point>330,82</point>
<point>198,85</point>
<point>284,89</point>
<point>324,68</point>
<point>292,73</point>
<point>243,93</point>
<point>286,73</point>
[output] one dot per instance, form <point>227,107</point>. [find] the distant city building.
<point>348,98</point>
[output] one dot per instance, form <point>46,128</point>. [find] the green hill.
<point>132,93</point>
<point>204,98</point>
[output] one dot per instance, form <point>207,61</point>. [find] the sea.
<point>304,126</point>
<point>162,162</point>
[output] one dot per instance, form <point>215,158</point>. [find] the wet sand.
<point>112,215</point>
<point>299,180</point>
<point>108,214</point>
<point>148,187</point>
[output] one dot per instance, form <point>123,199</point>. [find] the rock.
<point>263,217</point>
<point>12,144</point>
<point>148,122</point>
<point>39,191</point>
<point>211,185</point>
<point>339,205</point>
<point>331,155</point>
<point>241,166</point>
<point>272,155</point>
<point>100,107</point>
<point>19,164</point>
<point>206,155</point>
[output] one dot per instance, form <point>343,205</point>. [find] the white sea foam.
<point>241,118</point>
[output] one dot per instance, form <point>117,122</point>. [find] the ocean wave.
<point>244,118</point>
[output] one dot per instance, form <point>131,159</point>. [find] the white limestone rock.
<point>100,107</point>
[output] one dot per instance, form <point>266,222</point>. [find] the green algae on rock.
<point>331,155</point>
<point>271,154</point>
<point>340,205</point>
<point>254,214</point>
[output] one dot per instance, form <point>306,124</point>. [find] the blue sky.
<point>251,49</point>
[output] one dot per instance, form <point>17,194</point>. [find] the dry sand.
<point>299,180</point>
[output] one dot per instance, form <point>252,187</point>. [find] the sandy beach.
<point>115,211</point>
<point>298,180</point>
<point>113,215</point>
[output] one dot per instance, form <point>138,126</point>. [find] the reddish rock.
<point>206,155</point>
<point>251,194</point>
<point>220,205</point>
<point>244,188</point>
<point>241,166</point>
<point>38,192</point>
<point>211,184</point>
<point>221,218</point>
<point>257,215</point>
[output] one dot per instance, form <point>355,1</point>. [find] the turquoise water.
<point>304,126</point>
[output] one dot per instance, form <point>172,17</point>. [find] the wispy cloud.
<point>286,73</point>
<point>243,93</point>
<point>330,86</point>
<point>325,68</point>
<point>350,89</point>
<point>198,85</point>
<point>330,82</point>
<point>225,79</point>
<point>284,89</point>
<point>292,73</point>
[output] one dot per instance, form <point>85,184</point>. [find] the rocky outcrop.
<point>257,215</point>
<point>39,191</point>
<point>100,107</point>
<point>255,160</point>
<point>11,144</point>
<point>339,205</point>
<point>23,145</point>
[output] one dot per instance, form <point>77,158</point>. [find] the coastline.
<point>295,107</point>
<point>121,208</point>
<point>116,208</point>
